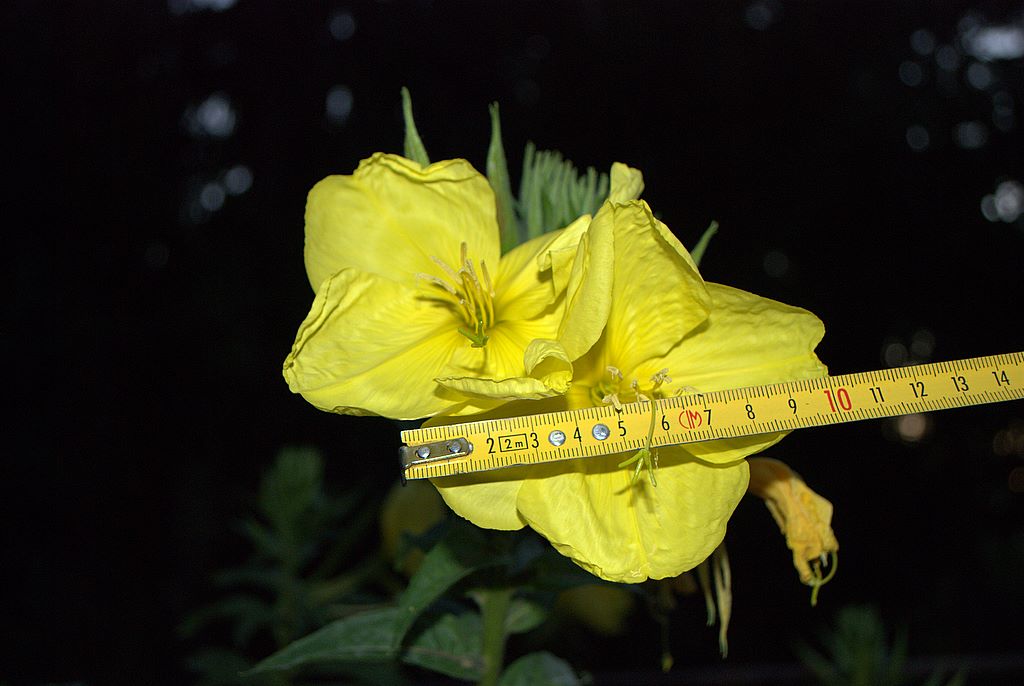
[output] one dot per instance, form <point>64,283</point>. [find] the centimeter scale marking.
<point>573,434</point>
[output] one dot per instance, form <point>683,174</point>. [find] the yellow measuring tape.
<point>573,434</point>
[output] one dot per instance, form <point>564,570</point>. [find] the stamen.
<point>487,278</point>
<point>472,297</point>
<point>438,282</point>
<point>613,398</point>
<point>614,371</point>
<point>452,274</point>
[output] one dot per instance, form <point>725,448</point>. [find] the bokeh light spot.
<point>238,179</point>
<point>922,42</point>
<point>911,73</point>
<point>339,104</point>
<point>912,428</point>
<point>918,138</point>
<point>776,264</point>
<point>970,135</point>
<point>342,25</point>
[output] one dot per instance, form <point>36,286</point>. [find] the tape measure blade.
<point>729,413</point>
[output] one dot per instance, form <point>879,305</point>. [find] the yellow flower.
<point>803,516</point>
<point>668,331</point>
<point>415,309</point>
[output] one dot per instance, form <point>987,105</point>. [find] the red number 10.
<point>842,396</point>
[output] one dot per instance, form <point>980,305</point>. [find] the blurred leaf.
<point>365,637</point>
<point>267,578</point>
<point>263,539</point>
<point>461,551</point>
<point>452,645</point>
<point>524,615</point>
<point>497,175</point>
<point>539,669</point>
<point>857,651</point>
<point>291,487</point>
<point>217,667</point>
<point>241,608</point>
<point>414,149</point>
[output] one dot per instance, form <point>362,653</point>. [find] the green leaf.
<point>452,645</point>
<point>364,637</point>
<point>524,615</point>
<point>702,245</point>
<point>539,669</point>
<point>460,552</point>
<point>414,149</point>
<point>497,175</point>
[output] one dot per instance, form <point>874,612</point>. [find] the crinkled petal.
<point>626,183</point>
<point>544,371</point>
<point>370,346</point>
<point>747,340</point>
<point>627,532</point>
<point>559,256</point>
<point>392,216</point>
<point>658,296</point>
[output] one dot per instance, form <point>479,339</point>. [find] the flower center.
<point>614,390</point>
<point>470,295</point>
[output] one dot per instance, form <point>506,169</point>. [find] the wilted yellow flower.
<point>667,331</point>
<point>414,306</point>
<point>804,517</point>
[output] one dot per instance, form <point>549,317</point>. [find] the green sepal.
<point>497,175</point>
<point>414,149</point>
<point>553,194</point>
<point>702,244</point>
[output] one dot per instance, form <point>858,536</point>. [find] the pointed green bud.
<point>497,175</point>
<point>414,149</point>
<point>702,244</point>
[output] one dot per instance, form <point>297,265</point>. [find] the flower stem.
<point>494,607</point>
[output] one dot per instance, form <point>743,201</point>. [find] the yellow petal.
<point>625,532</point>
<point>370,346</point>
<point>488,499</point>
<point>747,340</point>
<point>523,288</point>
<point>658,296</point>
<point>626,183</point>
<point>392,216</point>
<point>588,285</point>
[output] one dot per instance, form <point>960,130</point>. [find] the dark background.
<point>160,154</point>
